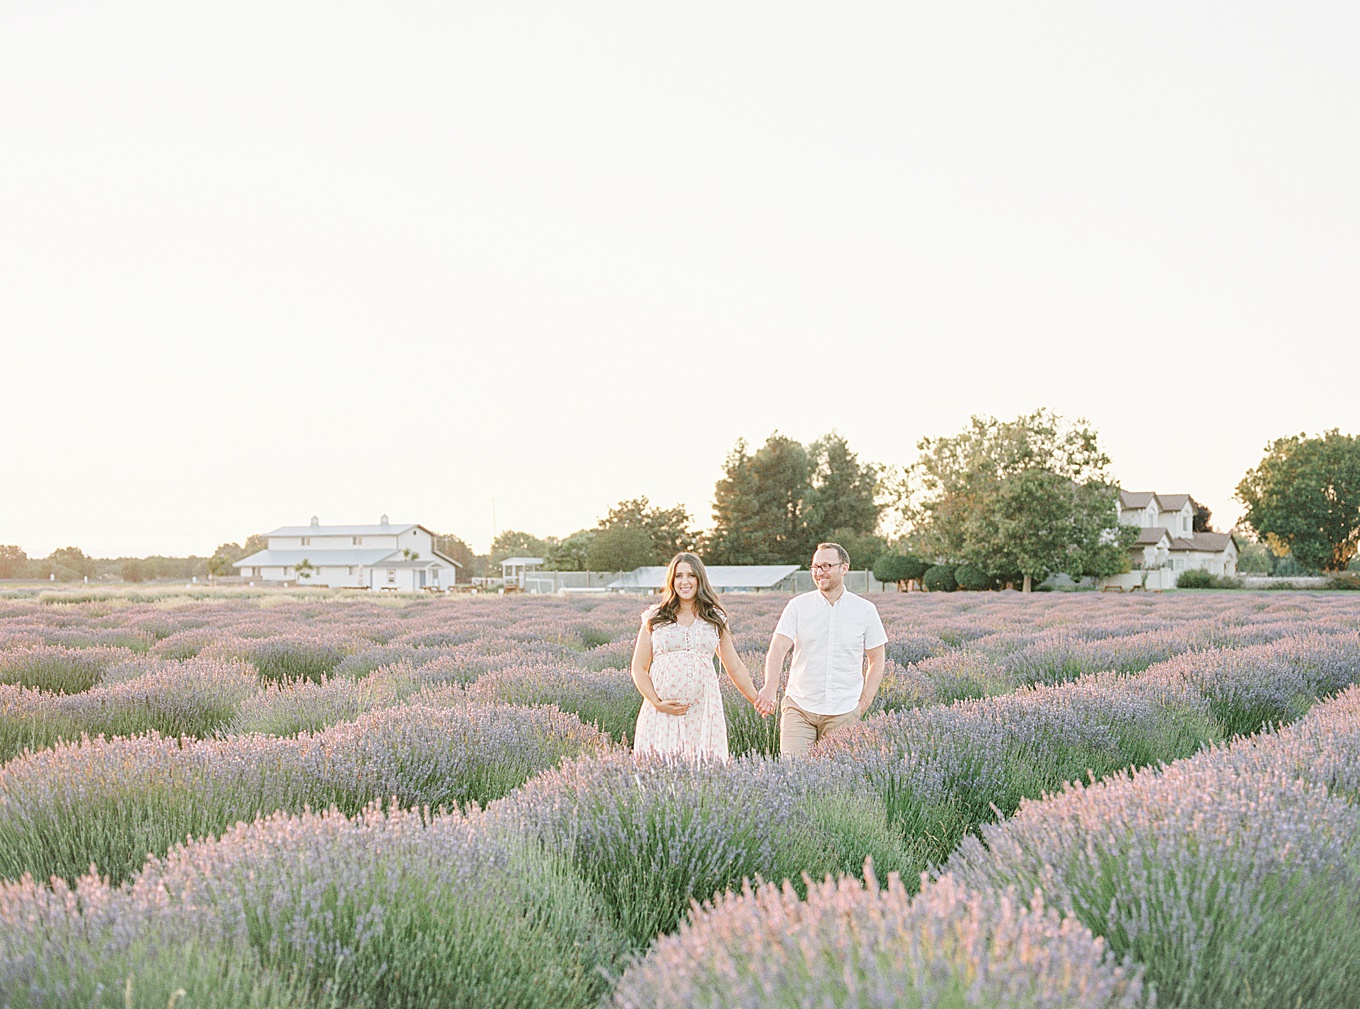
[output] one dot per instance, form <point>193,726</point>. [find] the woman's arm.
<point>642,676</point>
<point>736,669</point>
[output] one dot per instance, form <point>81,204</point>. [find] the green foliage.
<point>132,570</point>
<point>899,568</point>
<point>1254,559</point>
<point>667,528</point>
<point>1305,496</point>
<point>773,506</point>
<point>841,500</point>
<point>1195,578</point>
<point>758,505</point>
<point>514,544</point>
<point>1026,497</point>
<point>973,578</point>
<point>571,553</point>
<point>13,561</point>
<point>939,578</point>
<point>621,548</point>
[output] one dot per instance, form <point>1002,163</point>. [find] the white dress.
<point>682,669</point>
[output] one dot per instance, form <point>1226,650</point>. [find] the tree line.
<point>999,503</point>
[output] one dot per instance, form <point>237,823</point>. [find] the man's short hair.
<point>844,554</point>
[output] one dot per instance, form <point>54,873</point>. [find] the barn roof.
<point>317,556</point>
<point>395,529</point>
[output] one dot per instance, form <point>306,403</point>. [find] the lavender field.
<point>1067,800</point>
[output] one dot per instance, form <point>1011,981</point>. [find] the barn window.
<point>306,541</point>
<point>391,576</point>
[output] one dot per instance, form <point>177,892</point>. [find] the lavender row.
<point>860,945</point>
<point>1232,876</point>
<point>113,802</point>
<point>385,910</point>
<point>942,770</point>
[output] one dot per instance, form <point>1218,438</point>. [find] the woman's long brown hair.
<point>706,605</point>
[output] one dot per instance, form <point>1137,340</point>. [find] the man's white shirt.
<point>826,676</point>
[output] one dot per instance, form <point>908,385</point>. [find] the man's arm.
<point>774,672</point>
<point>872,678</point>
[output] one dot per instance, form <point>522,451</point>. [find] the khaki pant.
<point>799,729</point>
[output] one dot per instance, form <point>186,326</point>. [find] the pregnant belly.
<point>682,679</point>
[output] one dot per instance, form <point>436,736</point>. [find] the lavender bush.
<point>111,803</point>
<point>192,699</point>
<point>941,770</point>
<point>384,910</point>
<point>859,946</point>
<point>656,834</point>
<point>1231,887</point>
<point>56,668</point>
<point>606,699</point>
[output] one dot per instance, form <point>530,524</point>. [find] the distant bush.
<point>939,578</point>
<point>1344,580</point>
<point>899,568</point>
<point>1197,578</point>
<point>972,577</point>
<point>1194,579</point>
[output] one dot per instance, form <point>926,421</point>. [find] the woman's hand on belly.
<point>670,706</point>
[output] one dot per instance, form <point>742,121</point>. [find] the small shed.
<point>513,570</point>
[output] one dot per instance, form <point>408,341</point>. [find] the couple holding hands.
<point>830,630</point>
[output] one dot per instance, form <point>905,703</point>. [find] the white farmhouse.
<point>383,556</point>
<point>1166,537</point>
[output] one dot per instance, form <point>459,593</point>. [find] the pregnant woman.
<point>682,712</point>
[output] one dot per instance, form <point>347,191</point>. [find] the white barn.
<point>399,557</point>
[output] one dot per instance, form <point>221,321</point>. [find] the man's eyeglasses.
<point>818,568</point>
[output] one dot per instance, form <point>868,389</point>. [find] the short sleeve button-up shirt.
<point>826,676</point>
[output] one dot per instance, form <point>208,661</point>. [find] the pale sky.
<point>260,261</point>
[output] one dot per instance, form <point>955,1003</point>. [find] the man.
<point>830,631</point>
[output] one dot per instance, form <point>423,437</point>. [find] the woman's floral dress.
<point>682,668</point>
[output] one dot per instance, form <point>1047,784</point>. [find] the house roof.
<point>394,529</point>
<point>1173,502</point>
<point>1211,543</point>
<point>1150,537</point>
<point>721,576</point>
<point>1135,498</point>
<point>317,557</point>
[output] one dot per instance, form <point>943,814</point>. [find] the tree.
<point>132,569</point>
<point>667,528</point>
<point>899,568</point>
<point>843,492</point>
<point>224,557</point>
<point>13,561</point>
<point>1305,496</point>
<point>1020,499</point>
<point>255,542</point>
<point>305,569</point>
<point>758,505</point>
<point>620,548</point>
<point>572,553</point>
<point>515,544</point>
<point>1201,523</point>
<point>73,560</point>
